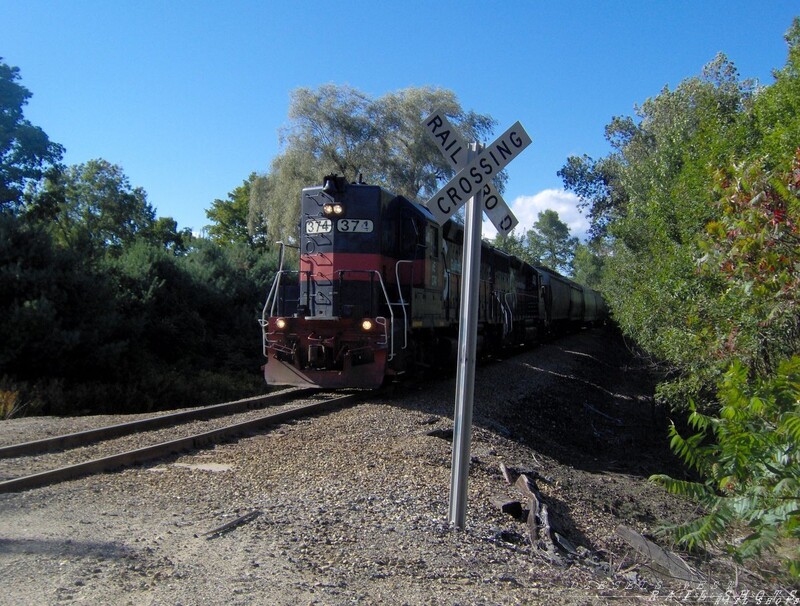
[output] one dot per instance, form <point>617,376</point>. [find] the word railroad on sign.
<point>475,175</point>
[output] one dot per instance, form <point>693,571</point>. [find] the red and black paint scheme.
<point>377,293</point>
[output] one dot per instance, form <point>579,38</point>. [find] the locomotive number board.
<point>318,226</point>
<point>352,226</point>
<point>357,226</point>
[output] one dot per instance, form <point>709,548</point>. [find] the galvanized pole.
<point>467,345</point>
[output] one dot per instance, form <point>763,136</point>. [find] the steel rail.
<point>157,451</point>
<point>82,438</point>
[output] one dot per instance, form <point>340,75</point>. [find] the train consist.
<point>377,293</point>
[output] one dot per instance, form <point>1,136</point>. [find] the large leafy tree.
<point>26,152</point>
<point>96,209</point>
<point>549,241</point>
<point>340,129</point>
<point>651,198</point>
<point>587,263</point>
<point>230,218</point>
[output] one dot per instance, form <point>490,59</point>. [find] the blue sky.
<point>189,96</point>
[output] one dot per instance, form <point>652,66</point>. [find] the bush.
<point>748,457</point>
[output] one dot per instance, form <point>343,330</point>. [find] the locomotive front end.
<point>330,324</point>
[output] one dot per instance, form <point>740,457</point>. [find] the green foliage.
<point>338,129</point>
<point>749,459</point>
<point>597,185</point>
<point>754,246</point>
<point>512,244</point>
<point>651,199</point>
<point>587,263</point>
<point>103,305</point>
<point>231,218</point>
<point>549,242</point>
<point>26,152</point>
<point>699,202</point>
<point>98,211</point>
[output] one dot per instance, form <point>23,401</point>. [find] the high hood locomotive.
<point>377,292</point>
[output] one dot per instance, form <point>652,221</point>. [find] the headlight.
<point>366,324</point>
<point>338,209</point>
<point>280,323</point>
<point>327,209</point>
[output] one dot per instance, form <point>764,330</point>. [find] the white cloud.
<point>527,209</point>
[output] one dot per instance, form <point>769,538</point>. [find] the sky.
<point>189,97</point>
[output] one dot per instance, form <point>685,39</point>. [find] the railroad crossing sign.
<point>471,186</point>
<point>475,174</point>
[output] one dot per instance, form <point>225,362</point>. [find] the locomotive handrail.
<point>273,291</point>
<point>403,304</point>
<point>272,296</point>
<point>390,337</point>
<point>508,312</point>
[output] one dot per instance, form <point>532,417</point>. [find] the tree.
<point>597,185</point>
<point>512,244</point>
<point>97,209</point>
<point>652,197</point>
<point>275,196</point>
<point>587,264</point>
<point>337,126</point>
<point>231,218</point>
<point>342,130</point>
<point>26,152</point>
<point>410,164</point>
<point>549,242</point>
<point>164,233</point>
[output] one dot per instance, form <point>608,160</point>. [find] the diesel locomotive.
<point>377,293</point>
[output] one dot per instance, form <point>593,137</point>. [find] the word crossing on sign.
<point>455,151</point>
<point>477,173</point>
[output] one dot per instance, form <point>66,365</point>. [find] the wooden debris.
<point>527,487</point>
<point>533,520</point>
<point>538,521</point>
<point>565,544</point>
<point>248,517</point>
<point>506,474</point>
<point>507,505</point>
<point>445,433</point>
<point>662,561</point>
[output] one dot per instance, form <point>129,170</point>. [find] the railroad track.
<point>38,453</point>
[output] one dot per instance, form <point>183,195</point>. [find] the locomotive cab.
<point>347,323</point>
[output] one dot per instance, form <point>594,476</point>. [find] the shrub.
<point>748,457</point>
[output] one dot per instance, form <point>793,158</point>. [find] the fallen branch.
<point>538,522</point>
<point>664,562</point>
<point>248,517</point>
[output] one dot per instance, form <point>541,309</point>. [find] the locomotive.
<point>378,288</point>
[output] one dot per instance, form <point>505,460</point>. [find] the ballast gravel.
<point>351,507</point>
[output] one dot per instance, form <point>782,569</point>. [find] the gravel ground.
<point>351,507</point>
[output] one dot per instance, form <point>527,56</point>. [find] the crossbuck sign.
<point>472,186</point>
<point>475,175</point>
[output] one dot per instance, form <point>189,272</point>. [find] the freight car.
<point>378,288</point>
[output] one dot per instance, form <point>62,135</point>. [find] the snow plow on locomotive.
<point>378,287</point>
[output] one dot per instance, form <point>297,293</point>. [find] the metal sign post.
<point>471,185</point>
<point>467,347</point>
